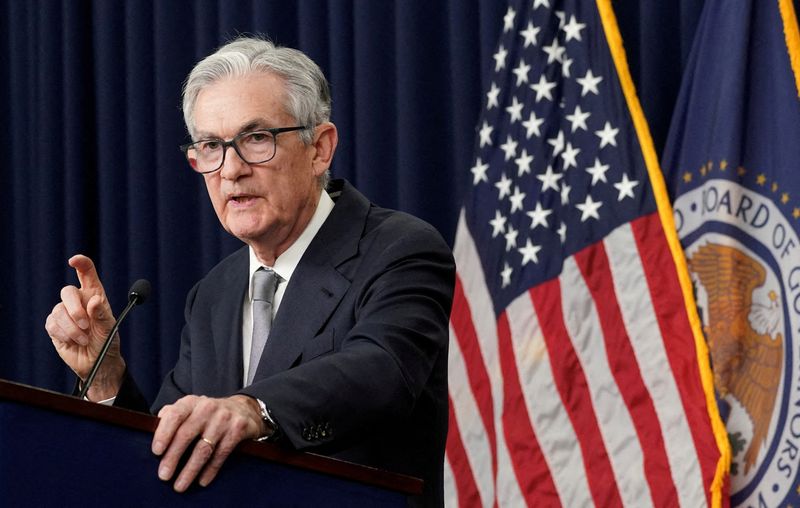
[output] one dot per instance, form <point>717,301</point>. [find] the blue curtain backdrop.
<point>89,95</point>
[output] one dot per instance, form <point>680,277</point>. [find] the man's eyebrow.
<point>258,123</point>
<point>254,124</point>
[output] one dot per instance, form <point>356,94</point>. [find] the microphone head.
<point>139,291</point>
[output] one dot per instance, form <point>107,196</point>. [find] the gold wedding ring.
<point>208,442</point>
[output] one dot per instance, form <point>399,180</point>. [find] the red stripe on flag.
<point>574,391</point>
<point>530,467</point>
<point>464,330</point>
<point>661,274</point>
<point>466,487</point>
<point>595,268</point>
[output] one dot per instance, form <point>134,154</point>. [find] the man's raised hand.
<point>78,326</point>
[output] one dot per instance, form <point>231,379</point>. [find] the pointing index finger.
<point>87,274</point>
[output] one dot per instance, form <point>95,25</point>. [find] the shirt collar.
<point>286,263</point>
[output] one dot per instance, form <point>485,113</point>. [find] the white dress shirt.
<point>284,266</point>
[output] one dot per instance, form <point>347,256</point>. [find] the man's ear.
<point>326,138</point>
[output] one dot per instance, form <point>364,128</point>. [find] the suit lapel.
<point>227,332</point>
<point>317,286</point>
<point>306,306</point>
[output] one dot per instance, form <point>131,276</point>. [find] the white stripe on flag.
<point>450,489</point>
<point>473,433</point>
<point>477,295</point>
<point>481,307</point>
<point>613,418</point>
<point>508,492</point>
<point>550,422</point>
<point>648,345</point>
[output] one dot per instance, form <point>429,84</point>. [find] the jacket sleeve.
<point>129,395</point>
<point>178,381</point>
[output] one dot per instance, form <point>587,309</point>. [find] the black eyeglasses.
<point>254,147</point>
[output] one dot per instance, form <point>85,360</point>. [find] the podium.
<point>57,450</point>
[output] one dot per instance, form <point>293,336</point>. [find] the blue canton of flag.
<point>556,166</point>
<point>578,375</point>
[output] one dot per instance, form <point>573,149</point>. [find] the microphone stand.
<point>137,294</point>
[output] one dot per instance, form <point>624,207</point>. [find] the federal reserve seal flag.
<point>732,164</point>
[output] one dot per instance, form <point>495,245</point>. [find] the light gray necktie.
<point>265,282</point>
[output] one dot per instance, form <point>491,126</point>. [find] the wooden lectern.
<point>57,450</point>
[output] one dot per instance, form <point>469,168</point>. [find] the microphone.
<point>138,293</point>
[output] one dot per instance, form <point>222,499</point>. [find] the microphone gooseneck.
<point>138,293</point>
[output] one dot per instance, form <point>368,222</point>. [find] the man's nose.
<point>233,166</point>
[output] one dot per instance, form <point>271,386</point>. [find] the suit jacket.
<point>355,366</point>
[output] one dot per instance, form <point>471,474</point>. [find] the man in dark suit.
<point>355,360</point>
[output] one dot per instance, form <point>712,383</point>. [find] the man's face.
<point>264,204</point>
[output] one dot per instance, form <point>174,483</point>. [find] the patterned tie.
<point>265,282</point>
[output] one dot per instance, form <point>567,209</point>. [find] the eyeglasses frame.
<point>232,143</point>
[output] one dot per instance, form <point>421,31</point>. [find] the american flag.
<point>578,374</point>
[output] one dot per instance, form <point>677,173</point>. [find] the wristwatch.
<point>266,416</point>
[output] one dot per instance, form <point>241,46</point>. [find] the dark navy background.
<point>90,94</point>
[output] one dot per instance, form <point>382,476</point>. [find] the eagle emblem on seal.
<point>744,337</point>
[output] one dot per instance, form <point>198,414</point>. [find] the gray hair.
<point>308,95</point>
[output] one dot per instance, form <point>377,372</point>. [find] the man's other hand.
<point>215,426</point>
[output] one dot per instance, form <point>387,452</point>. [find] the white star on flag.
<point>589,83</point>
<point>515,110</point>
<point>508,20</point>
<point>565,190</point>
<point>565,65</point>
<point>516,199</point>
<point>549,179</point>
<point>529,252</point>
<point>554,52</point>
<point>485,134</point>
<point>479,172</point>
<point>532,125</point>
<point>503,186</point>
<point>498,223</point>
<point>523,162</point>
<point>607,135</point>
<point>529,34</point>
<point>509,148</point>
<point>492,97</point>
<point>598,171</point>
<point>578,118</point>
<point>521,72</point>
<point>506,275</point>
<point>625,187</point>
<point>589,208</point>
<point>539,216</point>
<point>570,156</point>
<point>511,237</point>
<point>500,58</point>
<point>557,143</point>
<point>543,88</point>
<point>572,30</point>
